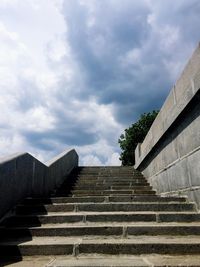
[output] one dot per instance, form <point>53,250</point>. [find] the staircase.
<point>105,216</point>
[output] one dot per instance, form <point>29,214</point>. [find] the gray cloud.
<point>111,61</point>
<point>101,36</point>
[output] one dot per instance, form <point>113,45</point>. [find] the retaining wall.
<point>170,154</point>
<point>22,175</point>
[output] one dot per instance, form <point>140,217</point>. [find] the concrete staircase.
<point>102,211</point>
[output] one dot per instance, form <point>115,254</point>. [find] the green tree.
<point>133,135</point>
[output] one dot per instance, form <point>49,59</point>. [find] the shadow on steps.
<point>65,188</point>
<point>15,230</point>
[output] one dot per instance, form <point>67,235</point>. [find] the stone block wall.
<point>170,154</point>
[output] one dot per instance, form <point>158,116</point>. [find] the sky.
<point>76,73</point>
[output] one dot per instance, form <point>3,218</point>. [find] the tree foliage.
<point>133,135</point>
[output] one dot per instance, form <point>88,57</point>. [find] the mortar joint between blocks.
<point>158,218</point>
<point>75,208</point>
<point>75,250</point>
<point>84,218</point>
<point>124,231</point>
<point>106,199</point>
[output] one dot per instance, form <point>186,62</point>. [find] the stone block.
<point>178,176</point>
<point>193,163</point>
<point>160,182</point>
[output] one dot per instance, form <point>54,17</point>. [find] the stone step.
<point>101,172</point>
<point>112,187</point>
<point>96,260</point>
<point>108,172</point>
<point>109,246</point>
<point>90,217</point>
<point>96,173</point>
<point>111,181</point>
<point>112,192</point>
<point>118,183</point>
<point>118,230</point>
<point>79,218</point>
<point>111,178</point>
<point>133,174</point>
<point>126,198</point>
<point>109,195</point>
<point>101,207</point>
<point>108,169</point>
<point>109,211</point>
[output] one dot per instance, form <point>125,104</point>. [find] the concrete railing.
<point>22,175</point>
<point>170,154</point>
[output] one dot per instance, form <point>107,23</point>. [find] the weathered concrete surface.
<point>107,260</point>
<point>22,175</point>
<point>42,261</point>
<point>98,233</point>
<point>170,154</point>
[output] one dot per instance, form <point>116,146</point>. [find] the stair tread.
<point>113,224</point>
<point>110,203</point>
<point>102,215</point>
<point>97,260</point>
<point>69,213</point>
<point>161,239</point>
<point>102,197</point>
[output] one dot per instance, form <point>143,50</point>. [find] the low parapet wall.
<point>22,175</point>
<point>170,154</point>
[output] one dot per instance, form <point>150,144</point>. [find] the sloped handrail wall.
<point>22,175</point>
<point>170,154</point>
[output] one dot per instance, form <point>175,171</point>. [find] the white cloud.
<point>76,73</point>
<point>91,160</point>
<point>114,160</point>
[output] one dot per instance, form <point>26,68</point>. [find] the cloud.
<point>129,57</point>
<point>85,71</point>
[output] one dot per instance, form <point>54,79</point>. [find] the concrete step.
<point>111,211</point>
<point>97,260</point>
<point>90,217</point>
<point>143,245</point>
<point>120,230</point>
<point>111,178</point>
<point>108,168</point>
<point>53,218</point>
<point>112,192</point>
<point>135,207</point>
<point>110,195</point>
<point>88,182</point>
<point>109,172</point>
<point>93,199</point>
<point>117,182</point>
<point>111,187</point>
<point>125,206</point>
<point>77,246</point>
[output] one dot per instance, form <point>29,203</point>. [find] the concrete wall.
<point>22,175</point>
<point>170,154</point>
